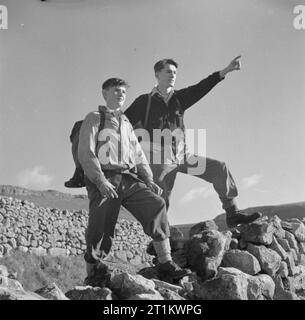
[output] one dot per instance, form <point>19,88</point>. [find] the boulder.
<point>126,285</point>
<point>198,228</point>
<point>281,293</point>
<point>269,260</point>
<point>260,287</point>
<point>267,286</point>
<point>51,292</point>
<point>242,260</point>
<point>224,287</point>
<point>258,232</point>
<point>297,228</point>
<point>204,252</point>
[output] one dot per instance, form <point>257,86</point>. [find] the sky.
<point>56,54</point>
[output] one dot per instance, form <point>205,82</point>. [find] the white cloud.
<point>34,178</point>
<point>195,193</point>
<point>251,181</point>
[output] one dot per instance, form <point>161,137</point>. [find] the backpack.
<point>74,138</point>
<point>77,125</point>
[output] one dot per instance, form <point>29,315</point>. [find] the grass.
<point>35,272</point>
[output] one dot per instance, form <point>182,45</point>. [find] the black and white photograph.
<point>152,150</point>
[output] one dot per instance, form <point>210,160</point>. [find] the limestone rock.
<point>259,287</point>
<point>298,281</point>
<point>224,287</point>
<point>267,285</point>
<point>241,260</point>
<point>280,292</point>
<point>7,294</point>
<point>297,228</point>
<point>3,271</point>
<point>290,264</point>
<point>278,248</point>
<point>284,244</point>
<point>292,241</point>
<point>89,293</point>
<point>51,292</point>
<point>129,285</point>
<point>279,232</point>
<point>269,260</point>
<point>204,252</point>
<point>258,232</point>
<point>283,270</point>
<point>202,226</point>
<point>165,285</point>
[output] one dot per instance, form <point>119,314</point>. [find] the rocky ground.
<point>264,260</point>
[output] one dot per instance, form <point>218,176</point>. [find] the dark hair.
<point>161,64</point>
<point>114,82</point>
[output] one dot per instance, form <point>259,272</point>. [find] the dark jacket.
<point>170,116</point>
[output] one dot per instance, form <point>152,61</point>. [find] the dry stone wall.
<point>29,228</point>
<point>262,260</point>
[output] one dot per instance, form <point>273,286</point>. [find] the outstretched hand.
<point>232,66</point>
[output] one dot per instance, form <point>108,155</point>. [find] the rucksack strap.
<point>102,121</point>
<point>147,110</point>
<point>101,126</point>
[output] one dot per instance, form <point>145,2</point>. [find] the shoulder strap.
<point>102,121</point>
<point>101,126</point>
<point>147,110</point>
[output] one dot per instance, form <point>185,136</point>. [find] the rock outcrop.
<point>264,260</point>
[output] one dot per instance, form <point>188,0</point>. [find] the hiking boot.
<point>77,181</point>
<point>98,275</point>
<point>170,270</point>
<point>234,217</point>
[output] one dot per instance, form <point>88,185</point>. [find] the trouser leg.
<point>103,214</point>
<point>147,207</point>
<point>215,172</point>
<point>150,210</point>
<point>167,183</point>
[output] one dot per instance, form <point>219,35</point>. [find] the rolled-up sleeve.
<point>87,149</point>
